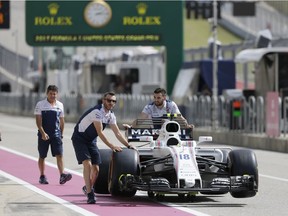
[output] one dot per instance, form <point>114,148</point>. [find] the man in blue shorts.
<point>84,138</point>
<point>50,123</point>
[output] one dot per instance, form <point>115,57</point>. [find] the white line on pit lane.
<point>173,205</point>
<point>274,178</point>
<point>48,195</point>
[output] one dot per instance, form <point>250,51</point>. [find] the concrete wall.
<point>254,141</point>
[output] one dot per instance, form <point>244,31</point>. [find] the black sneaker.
<point>43,180</point>
<point>84,190</point>
<point>91,198</point>
<point>65,177</point>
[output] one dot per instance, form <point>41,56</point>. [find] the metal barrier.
<point>285,108</point>
<point>260,116</point>
<point>15,64</point>
<point>251,114</point>
<point>221,106</point>
<point>265,17</point>
<point>198,110</point>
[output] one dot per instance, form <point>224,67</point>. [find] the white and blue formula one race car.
<point>168,161</point>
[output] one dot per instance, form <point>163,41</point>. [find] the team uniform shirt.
<point>154,112</point>
<point>85,129</point>
<point>50,117</point>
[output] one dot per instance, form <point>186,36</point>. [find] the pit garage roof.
<point>255,55</point>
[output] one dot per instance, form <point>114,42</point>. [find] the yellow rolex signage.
<point>141,18</point>
<point>102,22</point>
<point>109,23</point>
<point>53,19</point>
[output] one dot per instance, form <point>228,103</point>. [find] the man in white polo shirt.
<point>159,107</point>
<point>50,123</point>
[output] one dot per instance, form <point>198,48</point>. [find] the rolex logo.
<point>53,9</point>
<point>141,8</point>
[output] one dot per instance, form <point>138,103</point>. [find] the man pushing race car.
<point>159,107</point>
<point>171,162</point>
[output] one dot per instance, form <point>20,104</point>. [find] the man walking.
<point>50,123</point>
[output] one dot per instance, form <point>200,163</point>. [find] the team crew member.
<point>50,122</point>
<point>89,127</point>
<point>159,107</point>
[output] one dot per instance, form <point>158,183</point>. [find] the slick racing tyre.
<point>124,162</point>
<point>244,162</point>
<point>101,184</point>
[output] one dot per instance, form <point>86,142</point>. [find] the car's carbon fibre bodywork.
<point>168,160</point>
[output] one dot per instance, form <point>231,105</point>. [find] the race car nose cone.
<point>189,183</point>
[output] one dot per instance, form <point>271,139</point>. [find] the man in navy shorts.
<point>50,123</point>
<point>84,138</point>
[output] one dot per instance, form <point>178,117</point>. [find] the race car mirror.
<point>205,139</point>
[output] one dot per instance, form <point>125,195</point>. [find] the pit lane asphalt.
<point>19,134</point>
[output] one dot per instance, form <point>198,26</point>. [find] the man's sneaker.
<point>91,198</point>
<point>65,177</point>
<point>84,190</point>
<point>43,180</point>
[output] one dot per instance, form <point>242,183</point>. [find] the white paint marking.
<point>191,211</point>
<point>48,195</point>
<point>36,159</point>
<point>274,178</point>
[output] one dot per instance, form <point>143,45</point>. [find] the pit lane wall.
<point>246,140</point>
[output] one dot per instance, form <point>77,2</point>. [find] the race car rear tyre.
<point>244,162</point>
<point>124,162</point>
<point>101,184</point>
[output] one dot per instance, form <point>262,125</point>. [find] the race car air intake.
<point>172,127</point>
<point>172,141</point>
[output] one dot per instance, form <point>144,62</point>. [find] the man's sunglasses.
<point>109,100</point>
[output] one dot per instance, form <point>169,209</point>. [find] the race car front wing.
<point>231,184</point>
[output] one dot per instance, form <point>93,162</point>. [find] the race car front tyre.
<point>244,162</point>
<point>101,184</point>
<point>125,162</point>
